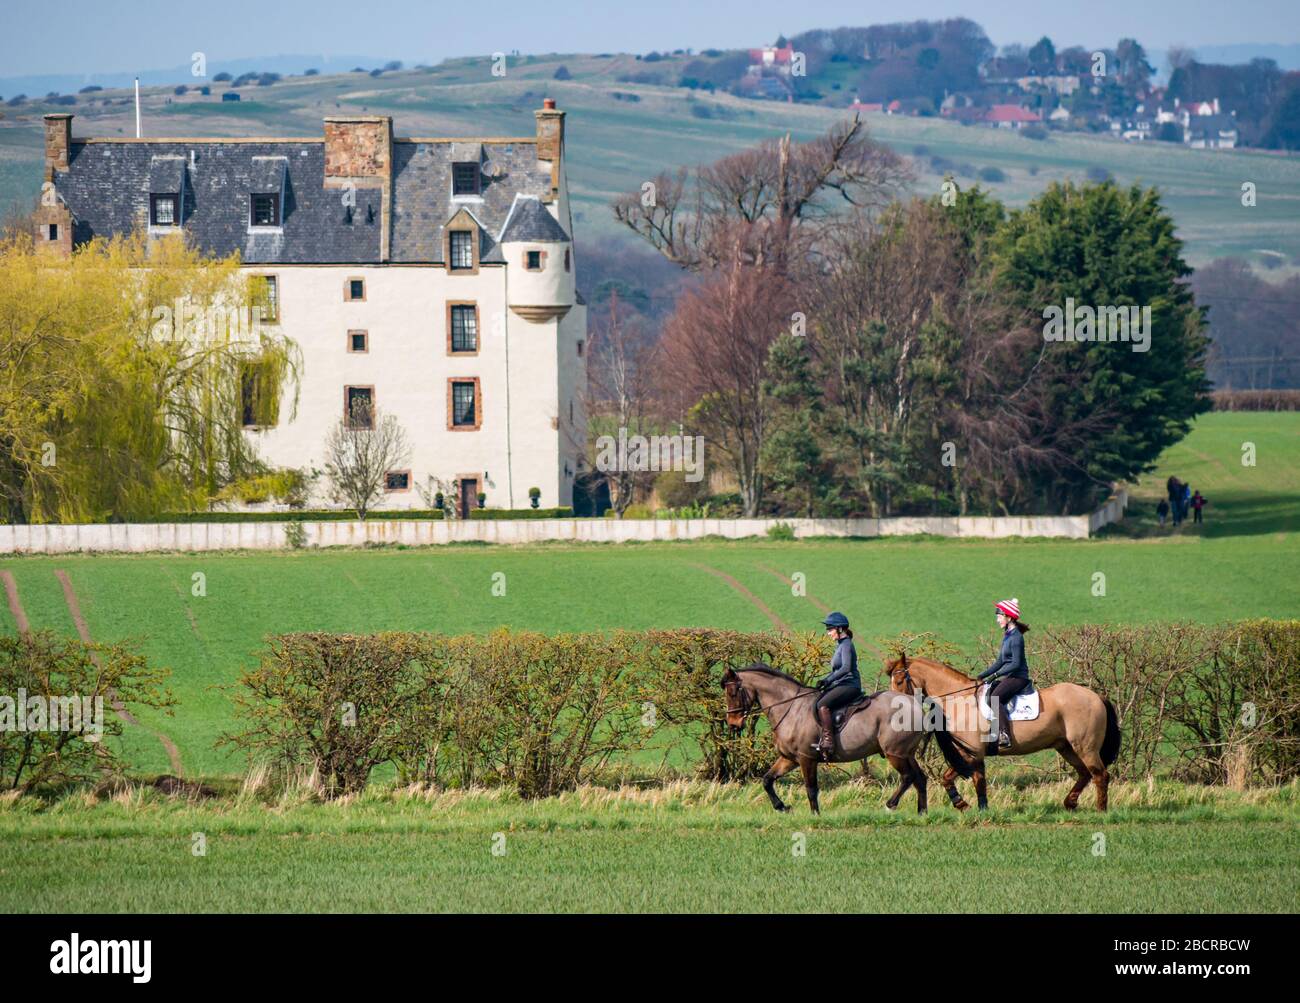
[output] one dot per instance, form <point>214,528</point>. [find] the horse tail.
<point>1110,744</point>
<point>950,754</point>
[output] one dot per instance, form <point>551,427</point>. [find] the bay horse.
<point>891,725</point>
<point>1082,726</point>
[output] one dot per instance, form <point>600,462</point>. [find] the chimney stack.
<point>58,143</point>
<point>550,140</point>
<point>359,154</point>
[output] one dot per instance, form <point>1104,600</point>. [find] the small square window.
<point>265,210</point>
<point>462,249</point>
<point>534,261</point>
<point>162,210</point>
<point>465,179</point>
<point>358,341</point>
<point>355,289</point>
<point>397,480</point>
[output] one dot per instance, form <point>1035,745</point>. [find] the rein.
<point>912,689</point>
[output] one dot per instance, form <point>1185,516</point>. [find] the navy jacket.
<point>844,667</point>
<point>1011,659</point>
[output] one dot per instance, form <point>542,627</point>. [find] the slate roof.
<point>529,220</point>
<point>423,203</point>
<point>107,188</point>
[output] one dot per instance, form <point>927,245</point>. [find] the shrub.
<point>1256,400</point>
<point>562,73</point>
<point>993,175</point>
<point>780,531</point>
<point>339,703</point>
<point>534,496</point>
<point>69,678</point>
<point>1034,132</point>
<point>561,512</point>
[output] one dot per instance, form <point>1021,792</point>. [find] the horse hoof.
<point>962,805</point>
<point>781,807</point>
<point>1071,806</point>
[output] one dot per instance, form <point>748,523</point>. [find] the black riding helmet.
<point>836,620</point>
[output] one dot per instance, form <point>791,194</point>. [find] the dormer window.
<point>462,249</point>
<point>465,179</point>
<point>162,210</point>
<point>265,210</point>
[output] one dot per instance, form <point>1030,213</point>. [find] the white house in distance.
<point>433,278</point>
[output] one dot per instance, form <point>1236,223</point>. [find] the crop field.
<point>636,844</point>
<point>620,134</point>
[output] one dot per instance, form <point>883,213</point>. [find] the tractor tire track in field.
<point>821,607</point>
<point>758,603</point>
<point>15,604</point>
<point>119,708</point>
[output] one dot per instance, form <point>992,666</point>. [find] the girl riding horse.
<point>1009,671</point>
<point>842,684</point>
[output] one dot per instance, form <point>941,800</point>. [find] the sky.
<point>103,36</point>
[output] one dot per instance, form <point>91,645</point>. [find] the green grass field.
<point>687,846</point>
<point>614,145</point>
<point>690,847</point>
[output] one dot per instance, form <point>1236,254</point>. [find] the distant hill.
<point>622,133</point>
<point>71,83</point>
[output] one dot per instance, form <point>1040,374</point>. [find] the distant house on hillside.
<point>1011,116</point>
<point>1211,132</point>
<point>894,107</point>
<point>1063,86</point>
<point>778,60</point>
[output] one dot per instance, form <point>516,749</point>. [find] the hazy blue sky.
<point>87,36</point>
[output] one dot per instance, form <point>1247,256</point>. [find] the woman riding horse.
<point>842,684</point>
<point>1009,671</point>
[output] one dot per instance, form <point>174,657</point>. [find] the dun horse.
<point>1073,720</point>
<point>891,725</point>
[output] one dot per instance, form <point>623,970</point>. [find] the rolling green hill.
<point>620,134</point>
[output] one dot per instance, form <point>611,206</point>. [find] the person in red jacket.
<point>1198,503</point>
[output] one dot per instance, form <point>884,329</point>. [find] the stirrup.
<point>1004,740</point>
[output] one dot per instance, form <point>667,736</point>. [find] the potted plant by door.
<point>534,496</point>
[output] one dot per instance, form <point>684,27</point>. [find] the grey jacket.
<point>1011,659</point>
<point>844,667</point>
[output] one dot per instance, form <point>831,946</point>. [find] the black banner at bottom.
<point>335,951</point>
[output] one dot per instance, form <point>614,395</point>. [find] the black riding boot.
<point>1004,726</point>
<point>826,746</point>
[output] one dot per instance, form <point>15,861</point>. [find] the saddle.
<point>1024,706</point>
<point>843,714</point>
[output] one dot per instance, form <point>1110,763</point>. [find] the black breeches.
<point>1004,689</point>
<point>838,697</point>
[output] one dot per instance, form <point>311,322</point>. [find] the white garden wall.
<point>155,537</point>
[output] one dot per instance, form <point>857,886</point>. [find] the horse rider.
<point>1009,672</point>
<point>842,684</point>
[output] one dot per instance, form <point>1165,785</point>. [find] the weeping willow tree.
<point>127,376</point>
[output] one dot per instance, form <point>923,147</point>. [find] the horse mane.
<point>767,670</point>
<point>933,663</point>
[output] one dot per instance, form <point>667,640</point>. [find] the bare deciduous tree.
<point>690,218</point>
<point>619,399</point>
<point>715,350</point>
<point>359,452</point>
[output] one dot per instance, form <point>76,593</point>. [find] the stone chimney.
<point>550,140</point>
<point>58,143</point>
<point>358,155</point>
